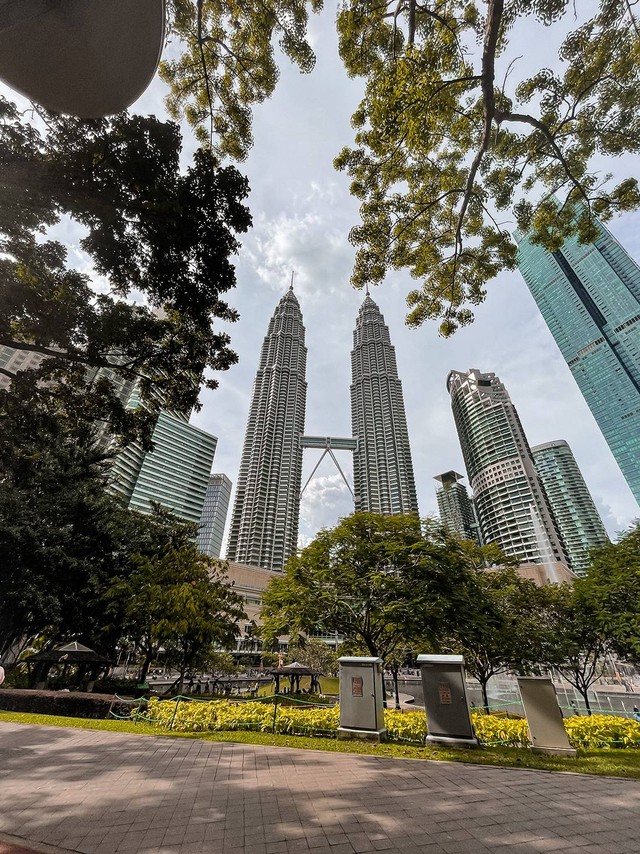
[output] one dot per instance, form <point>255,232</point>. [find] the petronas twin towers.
<point>264,525</point>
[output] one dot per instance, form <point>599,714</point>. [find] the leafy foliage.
<point>445,143</point>
<point>612,586</point>
<point>180,599</point>
<point>227,64</point>
<point>508,630</point>
<point>155,233</point>
<point>377,580</point>
<point>229,716</point>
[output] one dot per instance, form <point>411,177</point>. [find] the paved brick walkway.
<point>113,792</point>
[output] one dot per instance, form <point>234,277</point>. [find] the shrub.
<point>227,716</point>
<point>602,731</point>
<point>68,704</point>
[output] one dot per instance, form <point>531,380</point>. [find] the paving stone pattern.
<point>100,793</point>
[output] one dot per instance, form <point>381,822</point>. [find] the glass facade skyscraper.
<point>511,504</point>
<point>573,508</point>
<point>455,506</point>
<point>176,473</point>
<point>266,511</point>
<point>382,466</point>
<point>214,515</point>
<point>590,298</point>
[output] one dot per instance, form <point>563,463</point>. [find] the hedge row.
<point>68,704</point>
<point>226,716</point>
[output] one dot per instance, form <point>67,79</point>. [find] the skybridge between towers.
<point>329,444</point>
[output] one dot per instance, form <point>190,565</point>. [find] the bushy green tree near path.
<point>508,630</point>
<point>612,586</point>
<point>379,581</point>
<point>579,646</point>
<point>454,143</point>
<point>179,598</point>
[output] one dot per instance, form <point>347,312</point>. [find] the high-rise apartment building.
<point>214,515</point>
<point>382,467</point>
<point>14,360</point>
<point>264,523</point>
<point>590,298</point>
<point>511,505</point>
<point>455,506</point>
<point>573,508</point>
<point>176,473</point>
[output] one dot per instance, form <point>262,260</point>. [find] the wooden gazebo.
<point>89,664</point>
<point>294,672</point>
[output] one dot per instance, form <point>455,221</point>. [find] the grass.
<point>606,763</point>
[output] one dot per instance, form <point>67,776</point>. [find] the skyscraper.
<point>590,298</point>
<point>382,467</point>
<point>455,506</point>
<point>264,524</point>
<point>512,507</point>
<point>578,520</point>
<point>214,515</point>
<point>176,472</point>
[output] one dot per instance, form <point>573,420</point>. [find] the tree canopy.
<point>457,138</point>
<point>161,238</point>
<point>612,586</point>
<point>379,581</point>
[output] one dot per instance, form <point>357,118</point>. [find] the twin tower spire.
<point>264,524</point>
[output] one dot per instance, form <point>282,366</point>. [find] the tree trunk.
<point>484,681</point>
<point>584,693</point>
<point>395,685</point>
<point>146,664</point>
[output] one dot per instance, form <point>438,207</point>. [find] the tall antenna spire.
<point>366,288</point>
<point>292,275</point>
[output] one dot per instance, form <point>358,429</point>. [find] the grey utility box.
<point>544,716</point>
<point>445,700</point>
<point>361,707</point>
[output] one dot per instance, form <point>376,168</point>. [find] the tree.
<point>227,64</point>
<point>508,629</point>
<point>157,234</point>
<point>180,599</point>
<point>62,538</point>
<point>611,586</point>
<point>579,646</point>
<point>448,139</point>
<point>377,580</point>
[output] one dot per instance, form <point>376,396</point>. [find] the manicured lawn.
<point>618,763</point>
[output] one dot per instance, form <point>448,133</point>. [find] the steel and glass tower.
<point>214,515</point>
<point>264,524</point>
<point>511,505</point>
<point>573,508</point>
<point>455,506</point>
<point>590,298</point>
<point>382,467</point>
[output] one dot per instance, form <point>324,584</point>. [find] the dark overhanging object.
<point>445,700</point>
<point>87,58</point>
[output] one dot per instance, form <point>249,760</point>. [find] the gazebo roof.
<point>295,669</point>
<point>70,653</point>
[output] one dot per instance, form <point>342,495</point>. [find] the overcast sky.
<point>302,214</point>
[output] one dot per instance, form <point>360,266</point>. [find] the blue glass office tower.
<point>590,298</point>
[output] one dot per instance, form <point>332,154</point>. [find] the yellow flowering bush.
<point>602,731</point>
<point>226,716</point>
<point>494,729</point>
<point>406,726</point>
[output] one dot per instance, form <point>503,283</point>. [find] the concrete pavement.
<point>101,793</point>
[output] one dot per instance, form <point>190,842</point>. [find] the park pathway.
<point>104,792</point>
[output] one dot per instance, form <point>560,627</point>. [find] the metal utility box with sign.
<point>445,700</point>
<point>361,707</point>
<point>544,716</point>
